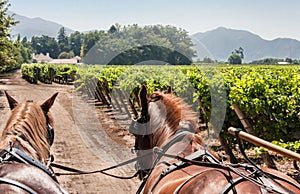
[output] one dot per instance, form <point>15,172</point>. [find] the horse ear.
<point>143,97</point>
<point>48,103</point>
<point>11,101</point>
<point>169,91</point>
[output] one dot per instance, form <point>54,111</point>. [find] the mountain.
<point>36,27</point>
<point>218,44</point>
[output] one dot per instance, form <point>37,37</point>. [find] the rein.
<point>74,171</point>
<point>183,162</point>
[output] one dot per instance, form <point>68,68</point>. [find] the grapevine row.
<point>47,73</point>
<point>268,95</point>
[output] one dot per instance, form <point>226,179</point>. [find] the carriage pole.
<point>260,142</point>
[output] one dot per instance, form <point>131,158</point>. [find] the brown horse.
<point>25,149</point>
<point>166,129</point>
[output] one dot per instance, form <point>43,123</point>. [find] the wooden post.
<point>106,90</point>
<point>122,97</point>
<point>249,128</point>
<point>245,122</point>
<point>221,138</point>
<point>135,113</point>
<point>260,142</point>
<point>99,88</point>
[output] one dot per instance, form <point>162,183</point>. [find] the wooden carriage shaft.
<point>259,142</point>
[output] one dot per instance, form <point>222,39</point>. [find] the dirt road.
<point>80,140</point>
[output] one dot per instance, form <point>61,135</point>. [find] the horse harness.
<point>10,155</point>
<point>206,159</point>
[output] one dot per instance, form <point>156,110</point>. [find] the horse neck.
<point>166,128</point>
<point>26,131</point>
<point>17,142</point>
<point>174,138</point>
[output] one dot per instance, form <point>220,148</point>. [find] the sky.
<point>269,19</point>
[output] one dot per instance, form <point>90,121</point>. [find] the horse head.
<point>29,128</point>
<point>162,116</point>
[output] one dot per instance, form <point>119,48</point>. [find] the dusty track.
<point>80,140</point>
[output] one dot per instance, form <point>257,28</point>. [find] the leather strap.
<point>17,184</point>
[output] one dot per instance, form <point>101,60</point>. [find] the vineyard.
<point>268,95</point>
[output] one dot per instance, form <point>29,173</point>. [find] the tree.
<point>240,51</point>
<point>132,44</point>
<point>45,44</point>
<point>66,55</point>
<point>236,56</point>
<point>89,40</point>
<point>112,29</point>
<point>208,60</point>
<point>9,55</point>
<point>75,42</point>
<point>234,59</point>
<point>289,60</point>
<point>62,40</point>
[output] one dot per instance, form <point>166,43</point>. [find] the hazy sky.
<point>268,18</point>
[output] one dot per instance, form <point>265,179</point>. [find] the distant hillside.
<point>216,44</point>
<point>35,27</point>
<point>219,43</point>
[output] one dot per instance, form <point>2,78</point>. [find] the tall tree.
<point>89,40</point>
<point>9,55</point>
<point>112,29</point>
<point>235,59</point>
<point>75,42</point>
<point>236,56</point>
<point>62,40</point>
<point>25,50</point>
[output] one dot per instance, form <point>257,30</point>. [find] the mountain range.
<point>217,44</point>
<point>35,27</point>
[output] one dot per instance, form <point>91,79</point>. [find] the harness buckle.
<point>133,150</point>
<point>157,150</point>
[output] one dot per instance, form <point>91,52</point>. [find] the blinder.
<point>50,129</point>
<point>139,126</point>
<point>50,134</point>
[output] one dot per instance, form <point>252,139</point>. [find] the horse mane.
<point>27,130</point>
<point>174,115</point>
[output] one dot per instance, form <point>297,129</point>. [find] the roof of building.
<point>64,61</point>
<point>283,63</point>
<point>42,57</point>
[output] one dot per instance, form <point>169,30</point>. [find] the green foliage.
<point>237,56</point>
<point>9,55</point>
<point>119,45</point>
<point>75,42</point>
<point>66,55</point>
<point>293,146</point>
<point>89,40</point>
<point>62,40</point>
<point>234,59</point>
<point>268,95</point>
<point>47,72</point>
<point>270,61</point>
<point>45,44</point>
<point>134,44</point>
